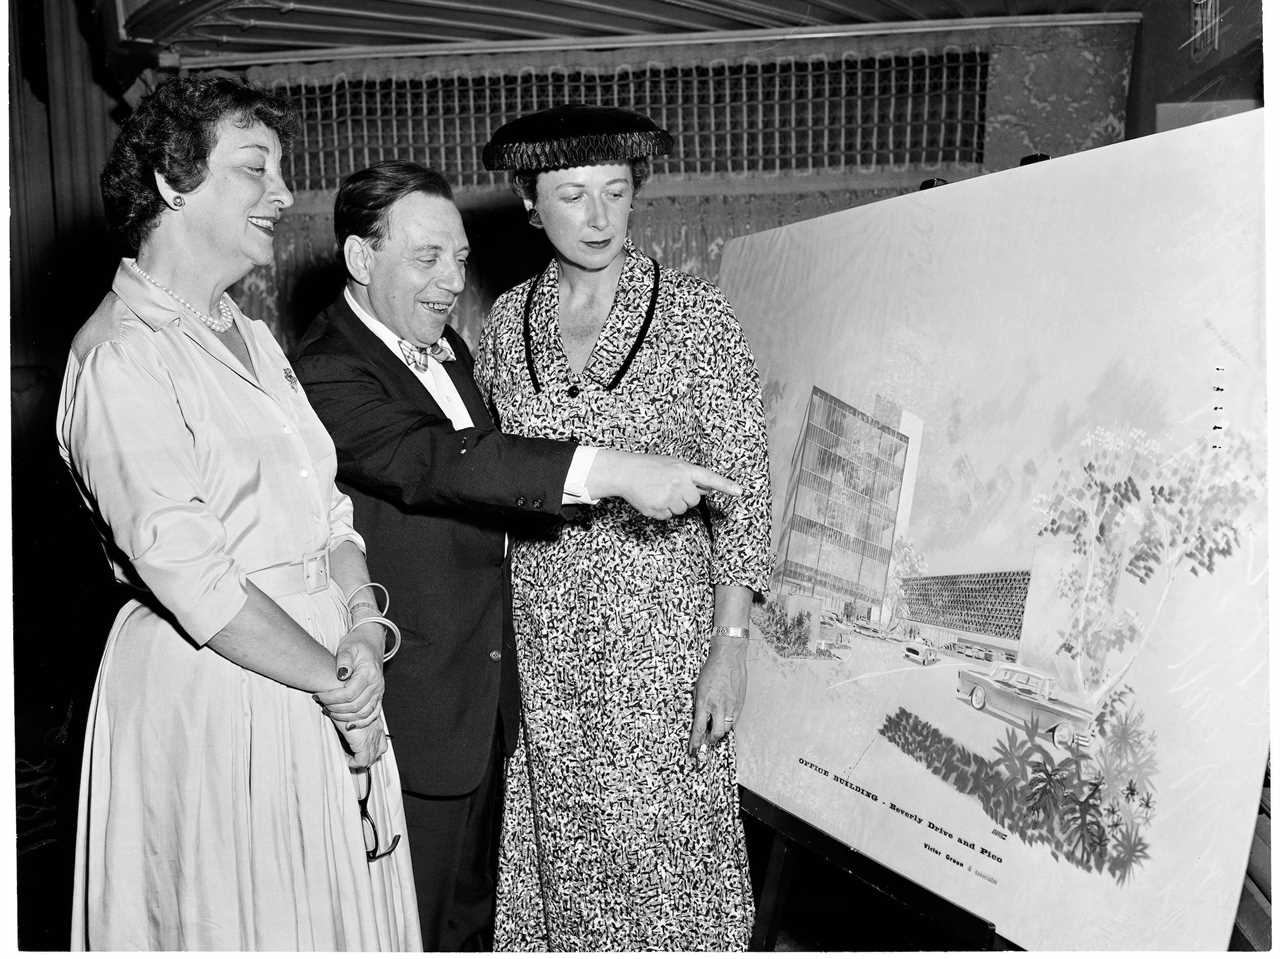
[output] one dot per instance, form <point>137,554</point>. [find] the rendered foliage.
<point>788,635</point>
<point>1065,803</point>
<point>1132,512</point>
<point>905,562</point>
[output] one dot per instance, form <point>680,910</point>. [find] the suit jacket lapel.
<point>464,382</point>
<point>392,367</point>
<point>397,371</point>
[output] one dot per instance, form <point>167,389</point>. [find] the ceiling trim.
<point>159,15</point>
<point>170,60</point>
<point>351,10</point>
<point>763,14</point>
<point>661,15</point>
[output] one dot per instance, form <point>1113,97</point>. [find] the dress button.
<point>520,501</point>
<point>304,473</point>
<point>573,392</point>
<point>495,654</point>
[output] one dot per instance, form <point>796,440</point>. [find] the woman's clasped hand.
<point>355,705</point>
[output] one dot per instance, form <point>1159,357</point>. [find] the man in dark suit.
<point>436,489</point>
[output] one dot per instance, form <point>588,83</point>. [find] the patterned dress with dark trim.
<point>613,837</point>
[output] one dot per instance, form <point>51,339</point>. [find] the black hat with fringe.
<point>573,135</point>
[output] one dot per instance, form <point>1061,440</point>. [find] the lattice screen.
<point>813,114</point>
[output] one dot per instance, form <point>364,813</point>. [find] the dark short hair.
<point>172,133</point>
<point>524,183</point>
<point>360,208</point>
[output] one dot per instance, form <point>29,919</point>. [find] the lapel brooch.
<point>291,379</point>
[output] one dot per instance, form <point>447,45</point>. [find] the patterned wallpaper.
<point>1054,90</point>
<point>686,233</point>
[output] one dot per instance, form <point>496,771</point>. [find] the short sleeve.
<point>731,414</point>
<point>122,431</point>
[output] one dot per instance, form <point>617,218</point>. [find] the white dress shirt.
<point>437,382</point>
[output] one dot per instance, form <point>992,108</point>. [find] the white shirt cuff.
<point>575,482</point>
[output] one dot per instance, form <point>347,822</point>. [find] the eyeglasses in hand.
<point>371,830</point>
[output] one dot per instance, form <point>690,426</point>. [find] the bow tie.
<point>416,356</point>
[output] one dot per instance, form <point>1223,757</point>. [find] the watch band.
<point>730,632</point>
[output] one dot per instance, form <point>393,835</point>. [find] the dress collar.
<point>148,303</point>
<point>152,305</point>
<point>637,274</point>
<point>159,311</point>
<point>621,335</point>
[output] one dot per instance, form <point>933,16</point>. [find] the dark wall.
<point>61,263</point>
<point>1165,71</point>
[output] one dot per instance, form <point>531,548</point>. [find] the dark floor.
<point>45,835</point>
<point>859,907</point>
<point>823,908</point>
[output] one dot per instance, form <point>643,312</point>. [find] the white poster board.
<point>1016,649</point>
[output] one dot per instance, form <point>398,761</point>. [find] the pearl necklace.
<point>220,324</point>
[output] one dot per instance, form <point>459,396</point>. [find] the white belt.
<point>308,575</point>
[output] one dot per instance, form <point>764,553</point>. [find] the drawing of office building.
<point>978,615</point>
<point>850,491</point>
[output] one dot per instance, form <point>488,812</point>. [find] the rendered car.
<point>924,655</point>
<point>1018,693</point>
<point>863,628</point>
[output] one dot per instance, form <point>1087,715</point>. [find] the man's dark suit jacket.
<point>432,504</point>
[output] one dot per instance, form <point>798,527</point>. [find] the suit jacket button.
<point>495,654</point>
<point>520,501</point>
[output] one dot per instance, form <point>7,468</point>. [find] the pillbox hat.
<point>573,135</point>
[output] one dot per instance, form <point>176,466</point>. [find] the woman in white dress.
<point>237,790</point>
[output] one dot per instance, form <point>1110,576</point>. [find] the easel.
<point>961,929</point>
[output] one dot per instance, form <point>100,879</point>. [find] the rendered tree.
<point>771,395</point>
<point>789,635</point>
<point>1130,511</point>
<point>905,563</point>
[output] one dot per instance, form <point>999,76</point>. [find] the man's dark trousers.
<point>434,505</point>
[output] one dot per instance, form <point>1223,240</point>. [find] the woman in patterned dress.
<point>621,826</point>
<point>220,808</point>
